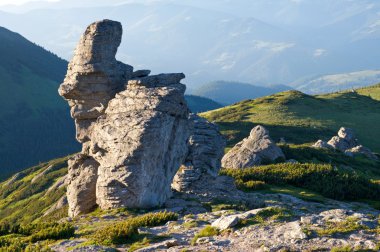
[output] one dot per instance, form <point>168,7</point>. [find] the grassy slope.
<point>302,118</point>
<point>35,124</point>
<point>23,201</point>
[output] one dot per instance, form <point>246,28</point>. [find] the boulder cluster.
<point>258,148</point>
<point>135,129</point>
<point>346,142</point>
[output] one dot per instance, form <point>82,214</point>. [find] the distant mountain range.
<point>199,104</point>
<point>338,82</point>
<point>228,92</point>
<point>35,123</point>
<point>260,42</point>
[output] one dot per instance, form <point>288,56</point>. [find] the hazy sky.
<point>18,2</point>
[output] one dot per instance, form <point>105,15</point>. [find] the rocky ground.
<point>226,219</point>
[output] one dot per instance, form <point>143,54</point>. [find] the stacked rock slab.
<point>256,149</point>
<point>133,127</point>
<point>206,149</point>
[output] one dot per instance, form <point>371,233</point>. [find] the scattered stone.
<point>256,149</point>
<point>229,221</point>
<point>158,246</point>
<point>225,222</point>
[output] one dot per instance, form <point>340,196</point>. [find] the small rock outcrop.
<point>134,127</point>
<point>346,142</point>
<point>256,149</point>
<point>206,149</point>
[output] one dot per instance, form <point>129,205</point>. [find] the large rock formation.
<point>256,149</point>
<point>206,149</point>
<point>134,127</point>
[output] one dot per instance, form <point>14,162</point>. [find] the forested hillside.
<point>35,124</point>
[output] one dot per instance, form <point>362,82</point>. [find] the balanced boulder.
<point>256,149</point>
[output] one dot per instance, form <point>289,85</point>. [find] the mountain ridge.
<point>232,45</point>
<point>302,118</point>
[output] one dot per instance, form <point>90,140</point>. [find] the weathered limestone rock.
<point>141,141</point>
<point>229,221</point>
<point>321,144</point>
<point>81,184</point>
<point>225,222</point>
<point>256,149</point>
<point>345,140</point>
<point>206,149</point>
<point>94,76</point>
